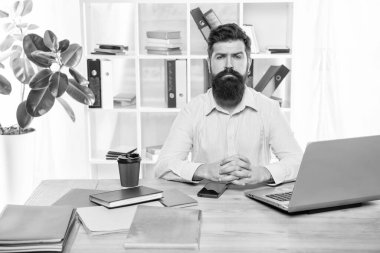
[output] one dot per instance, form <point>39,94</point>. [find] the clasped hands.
<point>235,169</point>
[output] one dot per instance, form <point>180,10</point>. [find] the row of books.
<point>149,224</point>
<point>163,42</point>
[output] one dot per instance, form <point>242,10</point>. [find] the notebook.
<point>125,197</point>
<point>176,198</point>
<point>164,228</point>
<point>77,198</point>
<point>35,228</point>
<point>98,220</point>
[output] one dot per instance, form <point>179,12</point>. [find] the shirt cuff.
<point>188,170</point>
<point>278,173</point>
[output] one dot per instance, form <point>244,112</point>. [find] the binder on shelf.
<point>106,83</point>
<point>180,81</point>
<point>99,73</point>
<point>250,74</point>
<point>93,76</point>
<point>170,82</point>
<point>201,22</point>
<point>212,19</point>
<point>271,80</point>
<point>207,78</point>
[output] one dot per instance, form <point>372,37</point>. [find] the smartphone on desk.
<point>212,190</point>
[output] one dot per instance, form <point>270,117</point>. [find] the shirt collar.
<point>249,100</point>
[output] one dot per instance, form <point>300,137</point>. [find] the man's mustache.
<point>229,71</point>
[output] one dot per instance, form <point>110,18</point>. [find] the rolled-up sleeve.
<point>173,163</point>
<point>284,147</point>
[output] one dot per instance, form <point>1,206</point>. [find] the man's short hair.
<point>228,32</point>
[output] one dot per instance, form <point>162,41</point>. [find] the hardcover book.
<point>77,198</point>
<point>164,52</point>
<point>35,228</point>
<point>125,197</point>
<point>176,198</point>
<point>163,34</point>
<point>164,228</point>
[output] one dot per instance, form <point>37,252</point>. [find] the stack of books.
<point>278,50</point>
<point>163,42</point>
<point>153,152</point>
<point>35,228</point>
<point>110,49</point>
<point>124,99</point>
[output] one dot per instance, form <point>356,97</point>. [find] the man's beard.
<point>228,87</point>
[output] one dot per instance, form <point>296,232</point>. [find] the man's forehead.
<point>231,46</point>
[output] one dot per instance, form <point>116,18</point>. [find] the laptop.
<point>332,173</point>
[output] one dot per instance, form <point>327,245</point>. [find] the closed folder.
<point>271,80</point>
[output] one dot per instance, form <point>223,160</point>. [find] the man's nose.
<point>228,62</point>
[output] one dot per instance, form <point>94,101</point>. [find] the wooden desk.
<point>234,223</point>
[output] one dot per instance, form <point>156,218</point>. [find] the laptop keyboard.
<point>280,196</point>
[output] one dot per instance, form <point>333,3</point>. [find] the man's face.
<point>229,67</point>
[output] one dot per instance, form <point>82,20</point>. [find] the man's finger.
<point>239,163</point>
<point>229,159</point>
<point>238,182</point>
<point>242,174</point>
<point>227,178</point>
<point>244,159</point>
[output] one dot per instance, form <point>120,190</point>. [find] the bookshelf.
<point>126,22</point>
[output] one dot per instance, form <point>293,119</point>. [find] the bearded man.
<point>231,129</point>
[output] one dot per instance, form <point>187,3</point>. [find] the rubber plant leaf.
<point>78,77</point>
<point>72,55</point>
<point>22,69</point>
<point>51,41</point>
<point>23,117</point>
<point>58,84</point>
<point>33,42</point>
<point>67,108</point>
<point>80,93</point>
<point>5,86</point>
<point>40,80</point>
<point>39,102</point>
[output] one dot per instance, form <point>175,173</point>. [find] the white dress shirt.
<point>211,133</point>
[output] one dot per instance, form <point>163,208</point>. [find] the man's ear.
<point>209,65</point>
<point>249,64</point>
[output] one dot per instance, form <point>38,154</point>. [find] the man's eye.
<point>238,56</point>
<point>219,57</point>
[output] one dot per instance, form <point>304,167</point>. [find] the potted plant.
<point>45,70</point>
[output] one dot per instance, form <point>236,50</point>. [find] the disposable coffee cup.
<point>129,169</point>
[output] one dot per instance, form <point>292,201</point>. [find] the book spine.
<point>106,77</point>
<point>266,85</point>
<point>212,19</point>
<point>180,80</point>
<point>170,83</point>
<point>281,92</point>
<point>250,74</point>
<point>93,75</point>
<point>207,79</point>
<point>201,22</point>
